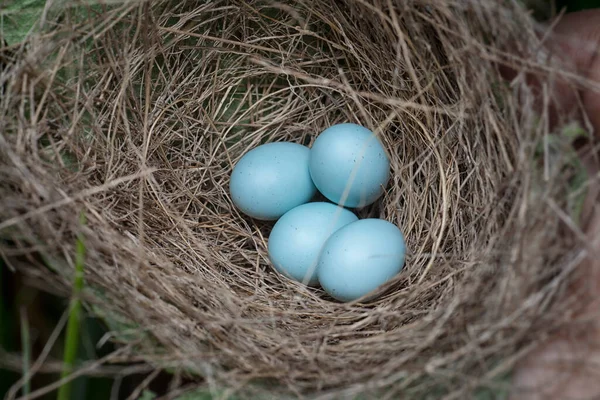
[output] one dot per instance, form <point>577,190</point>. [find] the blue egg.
<point>348,158</point>
<point>360,257</point>
<point>298,236</point>
<point>271,179</point>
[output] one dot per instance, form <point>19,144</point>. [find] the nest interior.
<point>134,113</point>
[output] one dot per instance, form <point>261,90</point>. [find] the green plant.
<point>18,18</point>
<point>576,5</point>
<point>73,326</point>
<point>26,350</point>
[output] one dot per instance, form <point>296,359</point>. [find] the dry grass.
<point>156,102</point>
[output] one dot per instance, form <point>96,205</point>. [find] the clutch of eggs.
<point>320,243</point>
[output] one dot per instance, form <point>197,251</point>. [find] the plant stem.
<point>2,311</point>
<point>72,336</point>
<point>26,349</point>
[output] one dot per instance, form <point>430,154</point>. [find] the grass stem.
<point>73,326</point>
<point>26,351</point>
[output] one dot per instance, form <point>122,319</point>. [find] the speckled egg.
<point>271,179</point>
<point>360,257</point>
<point>348,164</point>
<point>297,238</point>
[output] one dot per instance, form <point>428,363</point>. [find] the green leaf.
<point>18,18</point>
<point>204,394</point>
<point>498,391</point>
<point>577,191</point>
<point>147,395</point>
<point>577,183</point>
<point>572,132</point>
<point>122,328</point>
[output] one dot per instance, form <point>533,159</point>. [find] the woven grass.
<point>134,114</point>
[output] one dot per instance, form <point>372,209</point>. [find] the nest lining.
<point>134,115</point>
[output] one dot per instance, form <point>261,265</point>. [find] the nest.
<point>133,115</point>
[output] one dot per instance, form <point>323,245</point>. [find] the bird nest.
<point>133,114</point>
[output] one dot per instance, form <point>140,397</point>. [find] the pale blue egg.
<point>360,257</point>
<point>297,238</point>
<point>349,158</point>
<point>271,179</point>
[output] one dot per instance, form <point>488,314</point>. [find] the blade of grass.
<point>3,313</point>
<point>26,351</point>
<point>72,336</point>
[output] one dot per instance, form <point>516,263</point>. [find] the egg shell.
<point>349,158</point>
<point>297,238</point>
<point>360,257</point>
<point>271,179</point>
